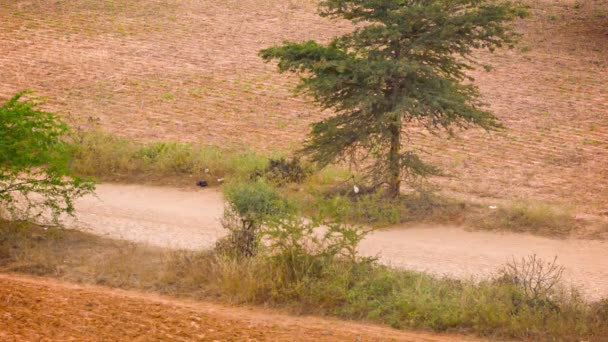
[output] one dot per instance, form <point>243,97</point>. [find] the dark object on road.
<point>202,183</point>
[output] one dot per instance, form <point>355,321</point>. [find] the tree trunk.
<point>394,161</point>
<point>394,156</point>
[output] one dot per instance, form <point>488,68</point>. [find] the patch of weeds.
<point>112,158</point>
<point>530,217</point>
<point>168,96</point>
<point>592,142</point>
<point>199,92</point>
<point>374,208</point>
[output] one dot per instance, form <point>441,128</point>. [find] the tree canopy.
<point>34,173</point>
<point>404,63</point>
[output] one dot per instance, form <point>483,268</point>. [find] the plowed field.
<point>188,70</point>
<point>34,309</point>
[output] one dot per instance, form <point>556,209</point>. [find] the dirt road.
<point>34,309</point>
<point>190,220</point>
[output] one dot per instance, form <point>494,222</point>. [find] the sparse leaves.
<point>537,278</point>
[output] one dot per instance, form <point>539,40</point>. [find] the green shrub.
<point>34,174</point>
<point>248,207</point>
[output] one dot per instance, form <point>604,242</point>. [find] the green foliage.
<point>248,207</point>
<point>254,201</point>
<point>34,173</point>
<point>257,213</point>
<point>406,65</point>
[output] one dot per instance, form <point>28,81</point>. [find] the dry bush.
<point>537,278</point>
<point>282,171</point>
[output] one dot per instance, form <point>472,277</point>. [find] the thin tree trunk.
<point>394,156</point>
<point>394,162</point>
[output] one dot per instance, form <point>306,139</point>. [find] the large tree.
<point>403,65</point>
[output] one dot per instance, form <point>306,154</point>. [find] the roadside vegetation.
<point>329,191</point>
<point>108,157</point>
<point>319,282</point>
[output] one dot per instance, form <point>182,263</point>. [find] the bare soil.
<point>188,70</point>
<point>41,309</point>
<point>181,219</point>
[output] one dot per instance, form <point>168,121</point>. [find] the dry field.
<point>188,70</point>
<point>37,309</point>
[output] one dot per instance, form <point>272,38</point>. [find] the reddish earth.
<point>35,309</point>
<point>188,70</point>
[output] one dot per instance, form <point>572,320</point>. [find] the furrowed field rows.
<point>189,71</point>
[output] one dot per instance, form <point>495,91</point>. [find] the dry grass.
<point>400,298</point>
<point>536,218</point>
<point>115,159</point>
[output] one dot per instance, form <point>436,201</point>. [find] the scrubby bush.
<point>256,213</point>
<point>536,278</point>
<point>281,171</point>
<point>248,207</point>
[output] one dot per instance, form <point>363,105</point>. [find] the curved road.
<point>189,219</point>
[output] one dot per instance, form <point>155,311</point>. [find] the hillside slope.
<point>188,70</point>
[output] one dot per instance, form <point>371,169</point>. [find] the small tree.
<point>34,173</point>
<point>404,64</point>
<point>248,206</point>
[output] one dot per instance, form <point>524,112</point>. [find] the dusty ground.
<point>182,219</point>
<point>35,309</point>
<point>188,70</point>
